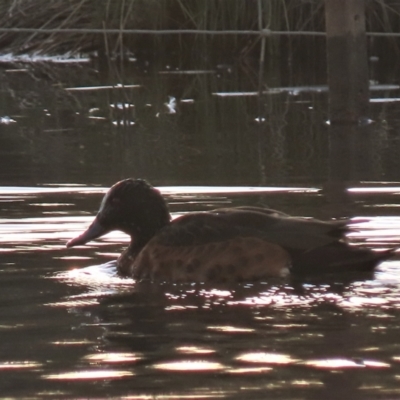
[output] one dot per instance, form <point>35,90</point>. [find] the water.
<point>71,328</point>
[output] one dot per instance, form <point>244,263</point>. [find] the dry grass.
<point>293,15</point>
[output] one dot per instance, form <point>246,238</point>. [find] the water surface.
<point>72,328</point>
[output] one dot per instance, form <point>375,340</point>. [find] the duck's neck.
<point>143,234</point>
<point>140,236</point>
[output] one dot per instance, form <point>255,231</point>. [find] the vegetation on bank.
<point>278,15</point>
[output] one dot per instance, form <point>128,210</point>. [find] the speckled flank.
<point>239,259</point>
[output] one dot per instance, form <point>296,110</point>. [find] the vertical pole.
<point>262,50</point>
<point>347,60</point>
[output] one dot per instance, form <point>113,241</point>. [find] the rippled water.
<point>71,328</point>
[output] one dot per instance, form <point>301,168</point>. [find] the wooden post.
<point>347,60</point>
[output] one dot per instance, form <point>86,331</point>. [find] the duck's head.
<point>132,206</point>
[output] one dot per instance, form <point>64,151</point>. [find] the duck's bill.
<point>94,231</point>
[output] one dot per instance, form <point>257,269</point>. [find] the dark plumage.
<point>224,245</point>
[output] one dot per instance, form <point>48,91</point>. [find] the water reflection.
<point>190,365</point>
<point>88,326</point>
<point>339,363</point>
<point>89,374</point>
<point>266,358</point>
<point>194,350</point>
<point>19,365</point>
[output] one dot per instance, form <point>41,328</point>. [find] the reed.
<point>292,15</point>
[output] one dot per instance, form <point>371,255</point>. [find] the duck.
<point>233,244</point>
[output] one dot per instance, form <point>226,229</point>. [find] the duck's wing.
<point>289,232</point>
<point>203,228</point>
<point>315,246</point>
<point>263,210</point>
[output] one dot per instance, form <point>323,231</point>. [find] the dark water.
<point>71,328</point>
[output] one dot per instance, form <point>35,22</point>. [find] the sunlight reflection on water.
<point>190,365</point>
<point>381,292</point>
<point>255,329</point>
<point>89,374</point>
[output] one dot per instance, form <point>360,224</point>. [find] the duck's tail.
<point>339,258</point>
